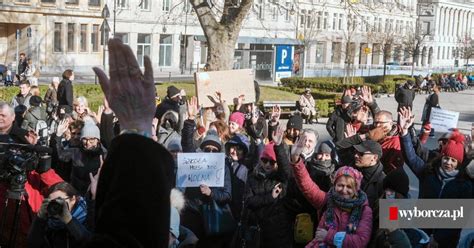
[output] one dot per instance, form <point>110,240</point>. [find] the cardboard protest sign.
<point>231,84</point>
<point>443,120</point>
<point>195,169</point>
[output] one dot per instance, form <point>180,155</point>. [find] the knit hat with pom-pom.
<point>455,146</point>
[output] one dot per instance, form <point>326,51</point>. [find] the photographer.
<point>36,180</point>
<point>61,221</point>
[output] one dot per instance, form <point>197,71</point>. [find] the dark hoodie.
<point>372,182</point>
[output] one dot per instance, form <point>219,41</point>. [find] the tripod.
<point>16,195</point>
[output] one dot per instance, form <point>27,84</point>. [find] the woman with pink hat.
<point>347,221</point>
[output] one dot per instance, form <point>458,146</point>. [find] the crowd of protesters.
<point>112,181</point>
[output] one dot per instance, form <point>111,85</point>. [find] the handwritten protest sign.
<point>442,120</point>
<point>230,84</point>
<point>195,169</point>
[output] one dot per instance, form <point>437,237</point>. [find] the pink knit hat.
<point>269,152</point>
<point>349,171</point>
<point>238,118</point>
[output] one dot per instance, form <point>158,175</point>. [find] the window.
<point>326,17</point>
<point>260,9</point>
<point>122,4</point>
<point>380,25</point>
<point>58,32</point>
<point>71,32</point>
<point>439,53</point>
<point>287,12</point>
<point>75,2</point>
<point>166,47</point>
<point>166,5</point>
<point>302,20</point>
<point>143,47</point>
<point>95,38</point>
<point>22,1</point>
<point>94,3</point>
<point>48,1</point>
<point>340,21</point>
<point>275,13</point>
<point>308,21</point>
<point>334,20</point>
<point>122,36</point>
<point>83,38</point>
<point>367,24</point>
<point>425,27</point>
<point>318,22</point>
<point>144,4</point>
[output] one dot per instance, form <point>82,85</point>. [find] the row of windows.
<point>76,36</point>
<point>94,3</point>
<point>144,47</point>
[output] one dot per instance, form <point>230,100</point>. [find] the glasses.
<point>266,160</point>
<point>89,140</point>
<point>210,150</point>
<point>361,154</point>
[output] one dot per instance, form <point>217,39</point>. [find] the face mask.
<point>323,163</point>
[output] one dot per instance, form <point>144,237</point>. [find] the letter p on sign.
<point>284,54</point>
<point>393,213</point>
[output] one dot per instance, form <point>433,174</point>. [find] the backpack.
<point>303,228</point>
<point>42,130</point>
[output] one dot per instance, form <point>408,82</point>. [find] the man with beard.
<point>86,158</point>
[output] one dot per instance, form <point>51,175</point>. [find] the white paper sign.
<point>195,169</point>
<point>443,120</point>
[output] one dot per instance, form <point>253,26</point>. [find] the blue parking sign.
<point>284,62</point>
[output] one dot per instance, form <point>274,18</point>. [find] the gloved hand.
<point>43,212</point>
<point>427,127</point>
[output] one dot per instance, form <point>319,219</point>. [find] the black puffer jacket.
<point>336,124</point>
<point>269,213</point>
<point>83,163</point>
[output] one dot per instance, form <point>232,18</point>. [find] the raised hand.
<point>406,119</point>
<point>130,93</point>
<point>367,94</point>
<point>297,148</point>
<point>255,114</point>
<point>350,130</point>
<point>192,108</point>
<point>276,113</point>
<point>62,127</point>
<point>278,134</point>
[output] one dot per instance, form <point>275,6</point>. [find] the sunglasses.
<point>266,160</point>
<point>210,150</point>
<point>361,154</point>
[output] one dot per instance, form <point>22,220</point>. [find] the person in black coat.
<point>171,102</point>
<point>405,95</point>
<point>65,91</point>
<point>133,191</point>
<point>66,228</point>
<point>266,190</point>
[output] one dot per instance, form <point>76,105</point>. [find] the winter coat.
<point>51,96</point>
<point>74,235</point>
<point>83,163</point>
<point>318,198</point>
<point>336,124</point>
<point>404,97</point>
<point>264,210</point>
<point>431,102</point>
<point>166,105</point>
<point>392,156</point>
<point>65,95</point>
<point>21,100</point>
<point>133,195</point>
<point>307,102</point>
<point>432,187</point>
<point>32,116</point>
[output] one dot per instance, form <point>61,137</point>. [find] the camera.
<point>16,160</point>
<point>55,207</point>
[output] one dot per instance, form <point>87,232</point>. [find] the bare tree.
<point>414,40</point>
<point>465,48</point>
<point>221,29</point>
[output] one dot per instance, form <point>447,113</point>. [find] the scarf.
<point>79,212</point>
<point>446,176</point>
<point>326,166</point>
<point>353,205</point>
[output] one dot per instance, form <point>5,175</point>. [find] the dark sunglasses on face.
<point>266,160</point>
<point>210,150</point>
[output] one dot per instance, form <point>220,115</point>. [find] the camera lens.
<point>55,207</point>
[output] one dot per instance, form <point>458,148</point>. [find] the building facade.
<point>60,34</point>
<point>56,34</point>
